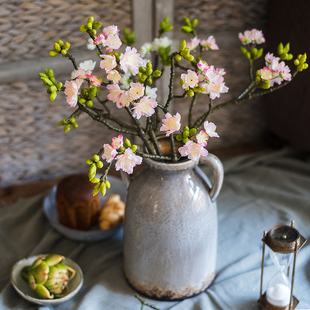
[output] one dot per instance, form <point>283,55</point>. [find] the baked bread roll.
<point>112,213</point>
<point>76,206</point>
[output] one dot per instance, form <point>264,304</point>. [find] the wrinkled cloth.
<point>260,191</point>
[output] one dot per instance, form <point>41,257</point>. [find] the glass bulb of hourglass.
<point>279,288</point>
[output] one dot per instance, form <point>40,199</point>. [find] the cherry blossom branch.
<point>141,132</point>
<point>174,155</point>
<point>153,136</point>
<point>70,57</point>
<point>100,119</point>
<point>156,157</point>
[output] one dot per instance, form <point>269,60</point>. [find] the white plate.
<point>22,287</point>
<point>94,234</point>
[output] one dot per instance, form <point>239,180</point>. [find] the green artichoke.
<point>48,276</point>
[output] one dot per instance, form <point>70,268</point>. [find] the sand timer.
<point>284,242</point>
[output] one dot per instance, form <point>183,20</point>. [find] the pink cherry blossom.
<point>124,100</point>
<point>108,63</point>
<point>131,60</point>
<point>109,153</point>
<point>189,79</point>
<point>136,90</point>
<point>127,161</point>
<point>215,85</point>
<point>210,43</point>
<point>252,36</point>
<point>80,73</point>
<point>110,30</point>
<point>100,40</point>
<point>193,43</point>
<point>171,123</point>
<point>193,150</point>
<point>114,76</point>
<point>94,80</point>
<point>266,74</point>
<point>202,137</point>
<point>202,65</point>
<point>87,65</point>
<point>72,89</point>
<point>117,142</point>
<point>113,42</point>
<point>114,92</point>
<point>144,107</point>
<point>210,129</point>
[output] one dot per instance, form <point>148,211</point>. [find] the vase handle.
<point>216,165</point>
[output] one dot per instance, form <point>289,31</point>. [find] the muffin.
<point>76,206</point>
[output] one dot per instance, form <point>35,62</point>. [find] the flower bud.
<point>89,26</point>
<point>59,85</point>
<point>186,29</point>
<point>90,19</point>
<point>194,22</point>
<point>177,57</point>
<point>75,125</point>
<point>53,96</point>
<point>189,57</point>
<point>157,73</point>
<point>103,188</point>
<point>89,103</point>
<point>149,71</point>
<point>89,161</point>
<point>185,140</point>
<point>108,184</point>
<point>67,45</point>
<point>64,52</point>
<point>185,133</point>
<point>149,65</point>
<point>127,143</point>
<point>57,47</point>
<point>134,147</point>
<point>95,180</point>
<point>190,93</point>
<point>53,53</point>
<point>192,131</point>
<point>303,58</point>
<point>96,158</point>
<point>182,45</point>
<point>296,62</point>
<point>99,164</point>
<point>179,137</point>
<point>150,81</point>
<point>96,25</point>
<point>93,32</point>
<point>67,128</point>
<point>142,69</point>
<point>83,28</point>
<point>92,171</point>
<point>96,189</point>
<point>53,88</point>
<point>82,100</point>
<point>60,42</point>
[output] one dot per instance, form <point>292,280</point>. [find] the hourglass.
<point>284,242</point>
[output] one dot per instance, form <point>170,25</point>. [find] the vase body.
<point>170,230</point>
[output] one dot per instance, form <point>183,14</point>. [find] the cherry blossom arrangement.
<point>128,79</point>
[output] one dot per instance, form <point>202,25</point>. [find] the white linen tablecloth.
<point>260,191</point>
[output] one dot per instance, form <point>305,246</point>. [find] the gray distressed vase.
<point>170,228</point>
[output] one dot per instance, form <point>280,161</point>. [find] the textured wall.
<point>32,147</point>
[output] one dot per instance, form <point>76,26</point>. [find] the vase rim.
<point>170,166</point>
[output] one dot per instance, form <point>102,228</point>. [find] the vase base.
<point>169,295</point>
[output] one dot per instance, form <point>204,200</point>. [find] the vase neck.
<point>164,166</point>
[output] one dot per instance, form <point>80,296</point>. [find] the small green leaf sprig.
<point>49,80</point>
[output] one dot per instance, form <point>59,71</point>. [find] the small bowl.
<point>23,289</point>
<point>94,234</point>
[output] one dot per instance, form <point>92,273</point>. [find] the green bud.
<point>82,100</point>
<point>150,81</point>
<point>67,45</point>
<point>99,164</point>
<point>142,69</point>
<point>303,58</point>
<point>89,161</point>
<point>296,62</point>
<point>75,125</point>
<point>127,143</point>
<point>57,47</point>
<point>72,120</point>
<point>182,45</point>
<point>192,131</point>
<point>83,28</point>
<point>96,158</point>
<point>96,25</point>
<point>168,28</point>
<point>61,123</point>
<point>185,133</point>
<point>67,128</point>
<point>157,73</point>
<point>53,88</point>
<point>53,96</point>
<point>103,188</point>
<point>121,149</point>
<point>286,48</point>
<point>185,140</point>
<point>47,81</point>
<point>305,66</point>
<point>179,137</point>
<point>60,42</point>
<point>92,92</point>
<point>186,128</point>
<point>143,77</point>
<point>280,48</point>
<point>199,89</point>
<point>187,21</point>
<point>289,56</point>
<point>185,52</point>
<point>42,75</point>
<point>248,55</point>
<point>108,184</point>
<point>186,29</point>
<point>243,50</point>
<point>89,26</point>
<point>134,147</point>
<point>259,53</point>
<point>63,52</point>
<point>149,65</point>
<point>96,189</point>
<point>162,24</point>
<point>90,19</point>
<point>93,32</point>
<point>253,52</point>
<point>190,93</point>
<point>189,57</point>
<point>89,103</point>
<point>95,180</point>
<point>300,67</point>
<point>194,22</point>
<point>53,53</point>
<point>149,71</point>
<point>92,171</point>
<point>59,85</point>
<point>177,57</point>
<point>257,79</point>
<point>53,79</point>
